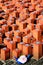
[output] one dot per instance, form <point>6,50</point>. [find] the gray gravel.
<point>30,62</point>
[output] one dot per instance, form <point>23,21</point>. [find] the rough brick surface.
<point>21,28</point>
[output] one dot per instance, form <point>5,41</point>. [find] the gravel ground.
<point>30,62</point>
